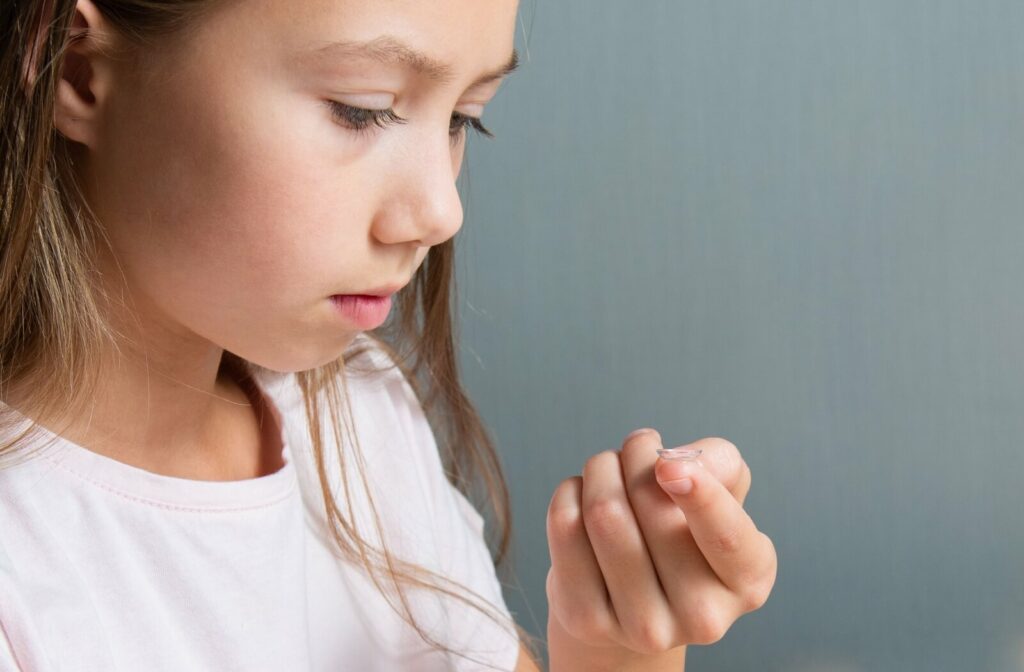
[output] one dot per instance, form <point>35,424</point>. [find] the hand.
<point>637,566</point>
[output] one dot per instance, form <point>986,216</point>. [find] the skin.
<point>237,205</point>
<point>639,570</point>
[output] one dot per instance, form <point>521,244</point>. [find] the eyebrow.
<point>389,49</point>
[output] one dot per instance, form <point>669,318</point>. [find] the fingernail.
<point>638,432</point>
<point>676,477</point>
<point>681,487</point>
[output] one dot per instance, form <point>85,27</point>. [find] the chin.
<point>295,360</point>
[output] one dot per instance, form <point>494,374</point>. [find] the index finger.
<point>742,556</point>
<point>722,458</point>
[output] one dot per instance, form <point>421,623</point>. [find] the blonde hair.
<point>51,327</point>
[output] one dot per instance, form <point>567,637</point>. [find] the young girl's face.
<point>238,201</point>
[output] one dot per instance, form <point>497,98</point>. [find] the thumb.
<point>677,469</point>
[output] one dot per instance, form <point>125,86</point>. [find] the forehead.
<point>442,39</point>
<point>391,50</point>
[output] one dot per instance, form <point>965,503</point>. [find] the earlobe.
<point>83,81</point>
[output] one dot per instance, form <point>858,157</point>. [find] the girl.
<point>208,207</point>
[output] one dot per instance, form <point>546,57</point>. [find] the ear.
<point>86,76</point>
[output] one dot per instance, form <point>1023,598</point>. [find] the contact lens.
<point>687,454</point>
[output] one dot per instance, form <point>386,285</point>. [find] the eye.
<point>461,121</point>
<point>360,119</point>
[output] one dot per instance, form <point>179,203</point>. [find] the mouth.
<point>366,311</point>
<point>379,292</point>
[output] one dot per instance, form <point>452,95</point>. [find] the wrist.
<point>568,654</point>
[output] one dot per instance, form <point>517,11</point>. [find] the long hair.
<point>51,327</point>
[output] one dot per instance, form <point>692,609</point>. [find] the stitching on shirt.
<point>173,507</point>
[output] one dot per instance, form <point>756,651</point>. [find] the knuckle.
<point>754,595</point>
<point>727,541</point>
<point>711,630</point>
<point>570,621</point>
<point>575,614</point>
<point>758,585</point>
<point>564,522</point>
<point>650,636</point>
<point>705,622</point>
<point>605,517</point>
<point>563,509</point>
<point>587,625</point>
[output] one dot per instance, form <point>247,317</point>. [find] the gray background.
<point>794,224</point>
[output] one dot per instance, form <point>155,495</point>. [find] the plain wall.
<point>795,225</point>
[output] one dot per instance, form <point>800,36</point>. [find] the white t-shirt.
<point>105,566</point>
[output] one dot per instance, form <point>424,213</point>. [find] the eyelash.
<point>359,119</point>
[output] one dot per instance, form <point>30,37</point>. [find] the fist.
<point>649,554</point>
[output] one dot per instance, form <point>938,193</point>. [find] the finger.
<point>723,460</point>
<point>582,605</point>
<point>678,560</point>
<point>638,600</point>
<point>737,551</point>
<point>742,488</point>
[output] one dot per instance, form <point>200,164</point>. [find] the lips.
<point>386,290</point>
<point>364,311</point>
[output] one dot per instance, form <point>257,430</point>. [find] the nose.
<point>423,204</point>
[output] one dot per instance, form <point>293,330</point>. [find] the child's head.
<point>207,172</point>
<point>237,191</point>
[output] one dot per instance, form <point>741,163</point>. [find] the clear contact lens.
<point>687,454</point>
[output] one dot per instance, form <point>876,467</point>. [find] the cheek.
<point>224,215</point>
